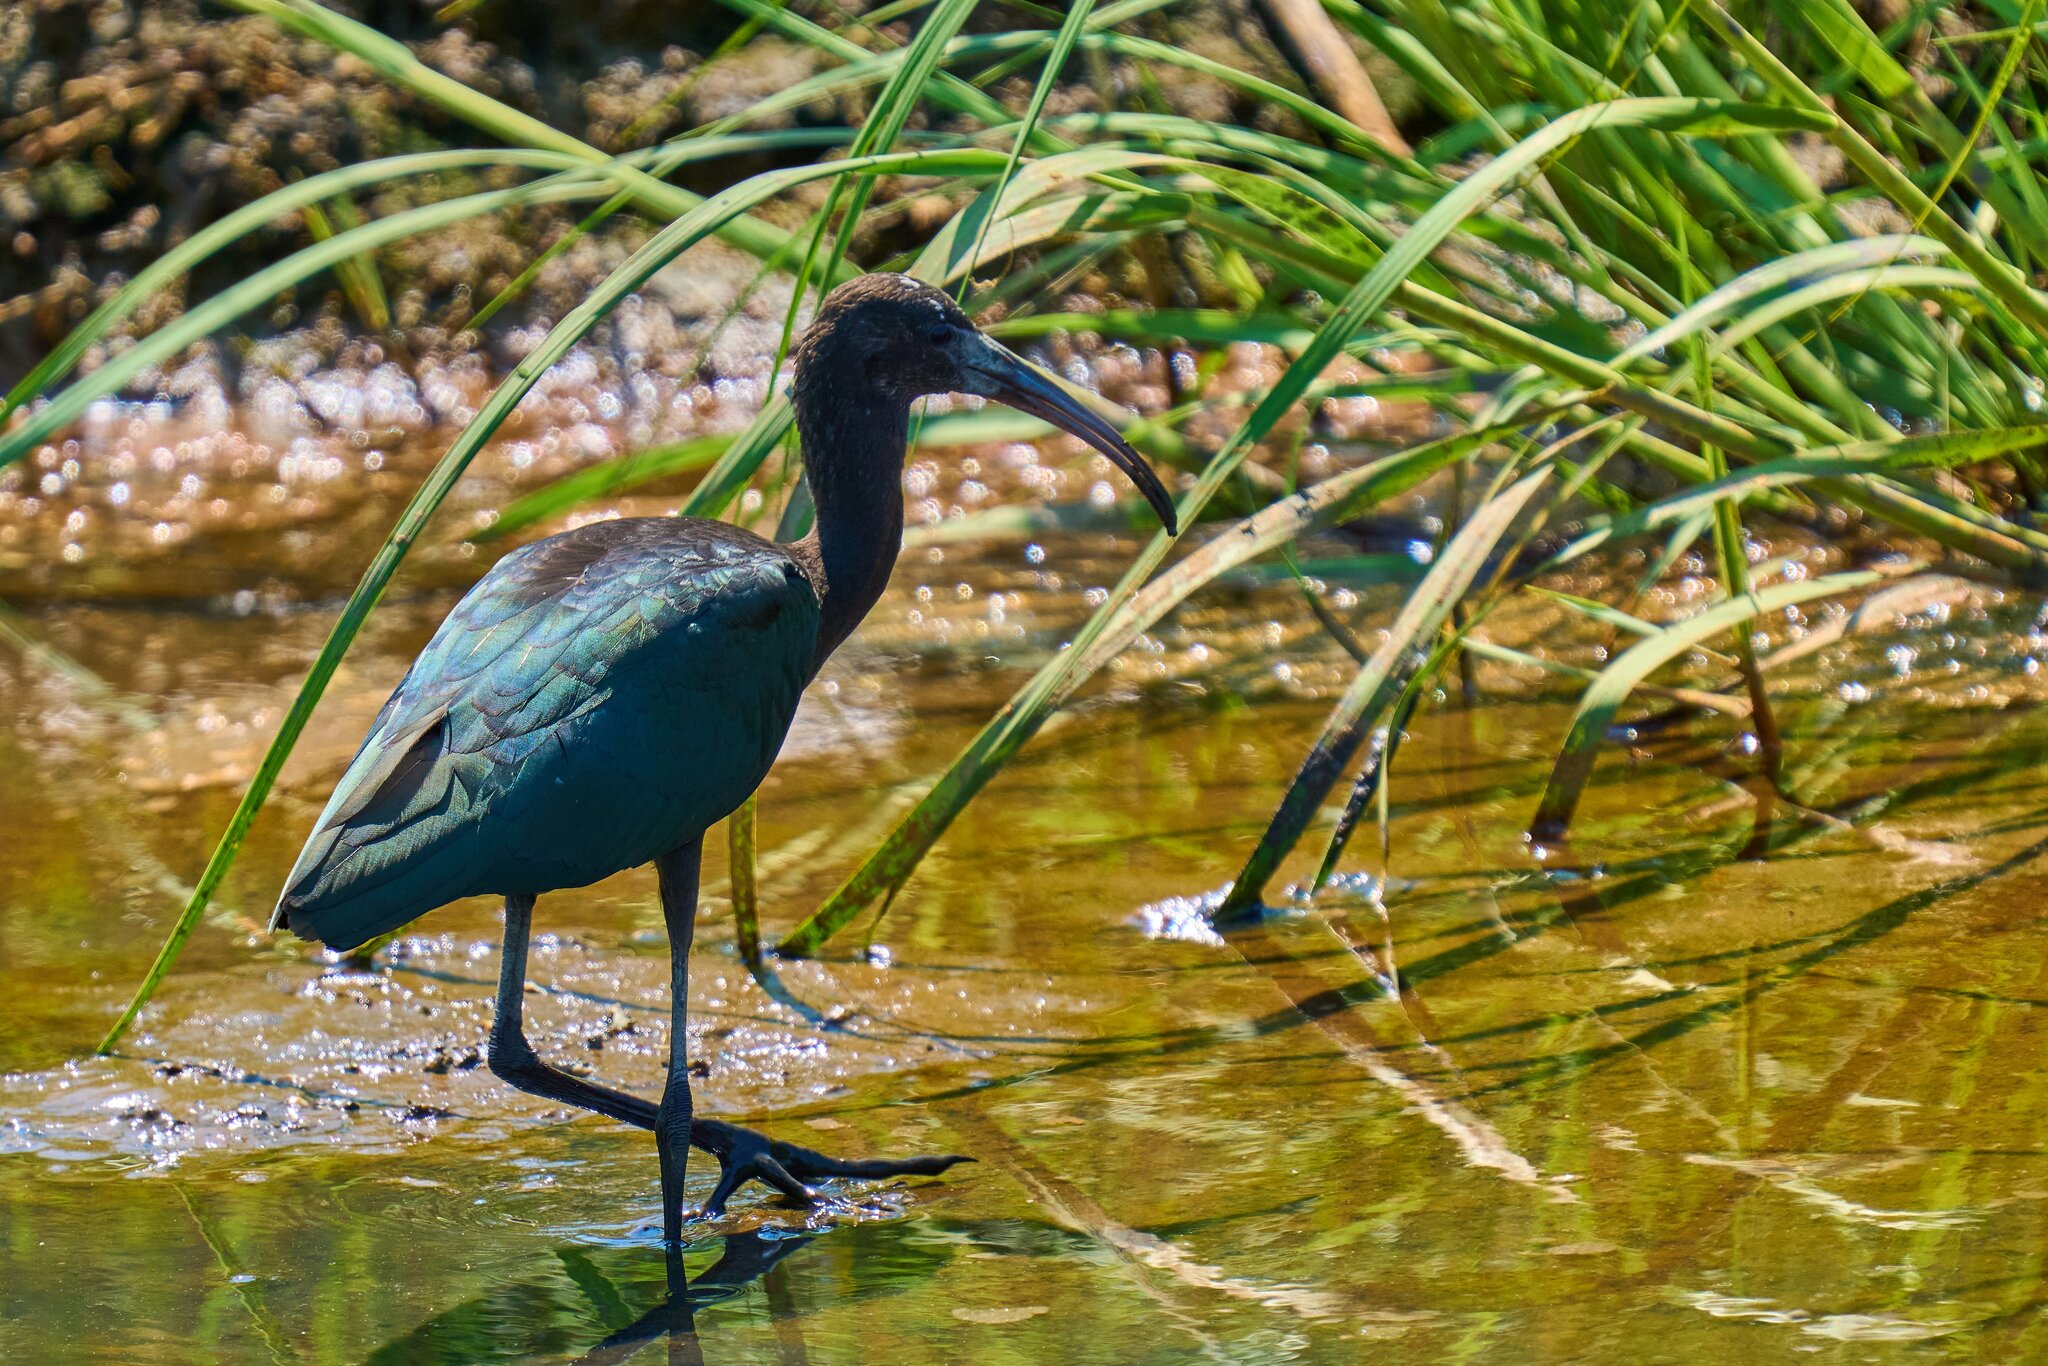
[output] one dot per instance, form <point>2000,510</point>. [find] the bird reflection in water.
<point>745,1259</point>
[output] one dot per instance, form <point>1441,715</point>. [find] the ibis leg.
<point>678,874</point>
<point>512,1058</point>
<point>742,1154</point>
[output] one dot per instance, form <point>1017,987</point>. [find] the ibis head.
<point>881,340</point>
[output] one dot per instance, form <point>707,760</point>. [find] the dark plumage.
<point>604,696</point>
<point>586,690</point>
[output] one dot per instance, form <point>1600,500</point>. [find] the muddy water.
<point>1639,1099</point>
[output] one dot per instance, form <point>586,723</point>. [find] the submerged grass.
<point>1616,231</point>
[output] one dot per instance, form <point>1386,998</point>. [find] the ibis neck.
<point>853,444</point>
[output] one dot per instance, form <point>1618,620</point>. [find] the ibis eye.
<point>940,334</point>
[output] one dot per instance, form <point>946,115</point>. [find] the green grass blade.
<point>746,901</point>
<point>395,62</point>
<point>525,278</point>
<point>947,90</point>
<point>571,183</point>
<point>260,288</point>
<point>1375,687</point>
<point>628,472</point>
<point>1593,610</point>
<point>1796,269</point>
<point>878,132</point>
<point>1691,697</point>
<point>730,475</point>
<point>1596,709</point>
<point>1384,746</point>
<point>613,476</point>
<point>1850,284</point>
<point>360,280</point>
<point>250,217</point>
<point>1334,500</point>
<point>1055,64</point>
<point>1941,450</point>
<point>627,136</point>
<point>947,255</point>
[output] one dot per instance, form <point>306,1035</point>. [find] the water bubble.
<point>1185,918</point>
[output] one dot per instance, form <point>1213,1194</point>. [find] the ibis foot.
<point>792,1170</point>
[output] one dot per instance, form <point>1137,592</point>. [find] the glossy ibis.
<point>604,696</point>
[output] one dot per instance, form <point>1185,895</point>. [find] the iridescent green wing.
<point>628,615</point>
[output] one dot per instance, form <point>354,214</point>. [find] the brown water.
<point>1639,1100</point>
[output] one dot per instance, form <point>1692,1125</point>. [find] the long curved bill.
<point>995,371</point>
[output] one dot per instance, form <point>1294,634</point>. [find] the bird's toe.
<point>816,1166</point>
<point>753,1163</point>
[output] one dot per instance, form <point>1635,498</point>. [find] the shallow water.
<point>1638,1099</point>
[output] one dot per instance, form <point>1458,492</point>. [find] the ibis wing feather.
<point>595,699</point>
